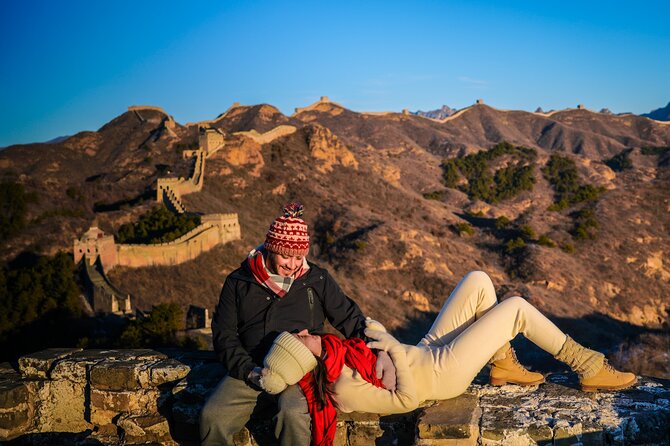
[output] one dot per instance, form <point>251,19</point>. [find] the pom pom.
<point>293,210</point>
<point>272,383</point>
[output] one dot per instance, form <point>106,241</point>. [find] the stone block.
<point>75,370</point>
<point>60,406</point>
<point>341,434</point>
<point>13,394</point>
<point>167,371</point>
<point>101,417</point>
<point>38,365</point>
<point>76,366</point>
<point>456,418</point>
<point>8,372</point>
<point>139,429</point>
<point>121,375</point>
<point>138,401</point>
<point>14,420</point>
<point>365,434</point>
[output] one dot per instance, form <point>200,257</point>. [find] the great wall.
<point>114,397</point>
<point>99,252</point>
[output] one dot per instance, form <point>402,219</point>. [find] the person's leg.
<point>226,411</point>
<point>460,361</point>
<point>471,299</point>
<point>293,420</point>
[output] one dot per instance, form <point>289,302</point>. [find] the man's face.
<point>283,265</point>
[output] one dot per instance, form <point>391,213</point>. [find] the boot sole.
<point>503,382</point>
<point>608,388</point>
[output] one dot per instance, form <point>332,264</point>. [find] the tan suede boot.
<point>506,369</point>
<point>592,367</point>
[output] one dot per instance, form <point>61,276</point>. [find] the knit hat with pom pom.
<point>287,362</point>
<point>288,234</point>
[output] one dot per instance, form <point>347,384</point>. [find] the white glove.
<point>382,340</point>
<point>374,325</point>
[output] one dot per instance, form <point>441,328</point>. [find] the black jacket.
<point>249,316</point>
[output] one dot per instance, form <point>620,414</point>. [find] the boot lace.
<point>516,362</point>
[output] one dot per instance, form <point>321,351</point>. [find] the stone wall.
<point>215,229</point>
<point>70,396</point>
<point>103,296</point>
<point>149,107</point>
<point>270,135</point>
<point>174,188</point>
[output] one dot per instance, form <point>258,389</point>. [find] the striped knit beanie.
<point>286,363</point>
<point>288,234</point>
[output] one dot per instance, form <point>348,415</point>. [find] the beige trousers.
<point>472,326</point>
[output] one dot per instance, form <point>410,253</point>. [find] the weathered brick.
<point>166,371</point>
<point>145,400</point>
<point>60,406</point>
<point>13,393</point>
<point>121,375</point>
<point>145,429</point>
<point>14,420</point>
<point>37,365</point>
<point>456,418</point>
<point>365,434</point>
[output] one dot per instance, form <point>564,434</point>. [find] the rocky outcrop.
<point>73,396</point>
<point>328,149</point>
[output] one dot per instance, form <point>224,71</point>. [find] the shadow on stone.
<point>55,438</point>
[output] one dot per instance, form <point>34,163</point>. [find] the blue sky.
<point>74,65</point>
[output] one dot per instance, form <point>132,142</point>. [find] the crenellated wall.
<point>214,229</point>
<point>171,189</point>
<point>270,135</point>
<point>112,397</point>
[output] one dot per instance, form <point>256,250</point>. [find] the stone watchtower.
<point>93,244</point>
<point>97,252</point>
<point>210,139</point>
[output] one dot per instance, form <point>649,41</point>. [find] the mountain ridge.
<point>382,218</point>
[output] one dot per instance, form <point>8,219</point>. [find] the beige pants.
<point>472,326</point>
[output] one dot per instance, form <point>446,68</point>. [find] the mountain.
<point>660,114</point>
<point>383,218</point>
<point>444,112</point>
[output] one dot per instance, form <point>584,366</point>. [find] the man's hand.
<point>386,370</point>
<point>254,376</point>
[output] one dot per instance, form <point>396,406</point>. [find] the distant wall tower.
<point>210,139</point>
<point>93,244</point>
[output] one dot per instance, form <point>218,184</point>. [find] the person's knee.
<point>482,281</point>
<point>479,277</point>
<point>518,303</point>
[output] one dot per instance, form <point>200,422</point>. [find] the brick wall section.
<point>70,396</point>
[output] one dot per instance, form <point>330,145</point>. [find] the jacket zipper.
<point>310,299</point>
